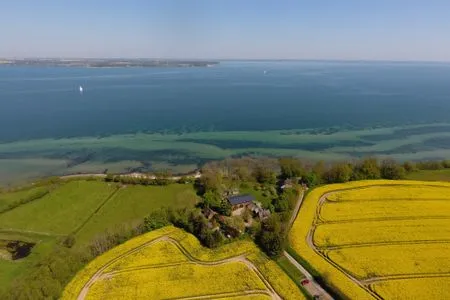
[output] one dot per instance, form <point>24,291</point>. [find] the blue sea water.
<point>38,102</point>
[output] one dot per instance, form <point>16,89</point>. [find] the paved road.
<point>312,287</point>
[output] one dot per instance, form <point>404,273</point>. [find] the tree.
<point>391,170</point>
<point>319,169</point>
<point>156,219</point>
<point>409,167</point>
<point>69,241</point>
<point>210,181</point>
<point>311,179</point>
<point>340,172</point>
<point>109,177</point>
<point>291,167</point>
<point>264,174</point>
<point>271,236</point>
<point>367,169</point>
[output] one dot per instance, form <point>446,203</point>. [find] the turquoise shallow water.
<point>45,102</point>
<point>147,119</point>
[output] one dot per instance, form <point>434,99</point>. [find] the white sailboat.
<point>81,89</point>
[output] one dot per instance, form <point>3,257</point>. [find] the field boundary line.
<point>145,267</point>
<point>109,197</point>
<point>225,295</point>
<point>404,276</point>
<point>241,258</point>
<point>385,219</point>
<point>310,242</point>
<point>13,230</point>
<point>393,243</point>
<point>388,200</point>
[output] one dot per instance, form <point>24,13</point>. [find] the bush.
<point>69,241</point>
<point>391,170</point>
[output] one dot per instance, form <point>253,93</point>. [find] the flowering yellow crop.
<point>246,297</point>
<point>373,230</point>
<point>429,191</point>
<point>281,282</point>
<point>162,252</point>
<point>170,263</point>
<point>237,248</point>
<point>355,210</point>
<point>74,287</point>
<point>186,280</point>
<point>341,234</point>
<point>386,260</point>
<point>414,288</point>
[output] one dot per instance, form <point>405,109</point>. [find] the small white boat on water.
<point>81,89</point>
<point>265,72</point>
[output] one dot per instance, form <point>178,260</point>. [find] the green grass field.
<point>430,175</point>
<point>134,203</point>
<point>9,270</point>
<point>8,199</point>
<point>59,212</point>
<point>88,206</point>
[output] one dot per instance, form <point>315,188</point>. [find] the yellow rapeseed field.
<point>429,191</point>
<point>404,226</point>
<point>341,234</point>
<point>386,260</point>
<point>353,210</point>
<point>170,263</point>
<point>162,252</point>
<point>414,288</point>
<point>277,278</point>
<point>75,286</point>
<point>179,281</point>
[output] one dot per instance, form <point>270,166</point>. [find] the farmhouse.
<point>241,201</point>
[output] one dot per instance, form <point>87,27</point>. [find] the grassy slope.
<point>12,198</point>
<point>291,270</point>
<point>59,212</point>
<point>9,270</point>
<point>430,175</point>
<point>135,202</point>
<point>69,206</point>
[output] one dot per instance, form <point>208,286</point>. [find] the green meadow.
<point>80,208</point>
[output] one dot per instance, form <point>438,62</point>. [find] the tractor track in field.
<point>225,295</point>
<point>375,244</point>
<point>310,242</point>
<point>404,276</point>
<point>99,275</point>
<point>366,284</point>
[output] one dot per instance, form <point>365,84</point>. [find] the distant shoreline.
<point>107,63</point>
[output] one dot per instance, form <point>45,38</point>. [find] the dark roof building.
<point>240,199</point>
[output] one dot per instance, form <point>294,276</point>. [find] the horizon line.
<point>226,59</point>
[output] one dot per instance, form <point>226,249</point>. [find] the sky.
<point>407,30</point>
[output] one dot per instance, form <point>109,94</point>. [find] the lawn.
<point>260,195</point>
<point>60,211</point>
<point>380,232</point>
<point>132,203</point>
